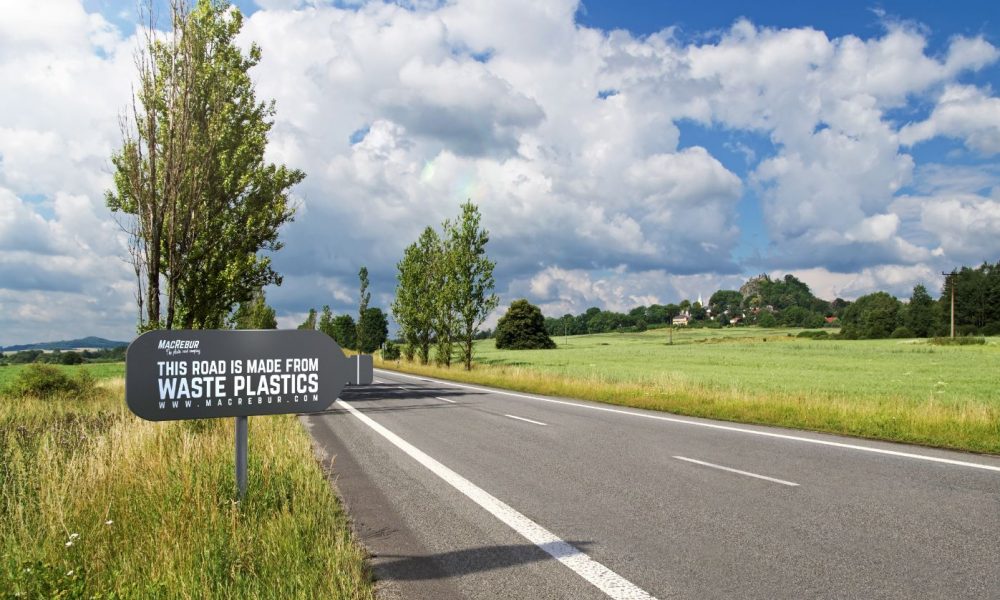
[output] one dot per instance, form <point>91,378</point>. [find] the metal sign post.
<point>241,456</point>
<point>203,374</point>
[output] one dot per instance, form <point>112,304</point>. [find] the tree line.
<point>444,290</point>
<point>788,302</point>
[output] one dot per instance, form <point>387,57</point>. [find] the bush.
<point>902,332</point>
<point>766,319</point>
<point>70,358</point>
<point>523,328</point>
<point>814,335</point>
<point>47,381</point>
<point>390,352</point>
<point>958,341</point>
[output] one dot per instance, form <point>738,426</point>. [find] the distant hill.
<point>87,342</point>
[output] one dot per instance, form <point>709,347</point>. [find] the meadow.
<point>898,390</point>
<point>96,503</point>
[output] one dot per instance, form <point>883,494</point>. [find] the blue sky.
<point>621,153</point>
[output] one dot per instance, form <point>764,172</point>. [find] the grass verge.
<point>930,421</point>
<point>97,503</point>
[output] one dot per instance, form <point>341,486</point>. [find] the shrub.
<point>47,381</point>
<point>958,341</point>
<point>814,335</point>
<point>390,352</point>
<point>902,332</point>
<point>523,328</point>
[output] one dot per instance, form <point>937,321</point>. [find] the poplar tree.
<point>414,304</point>
<point>191,186</point>
<point>472,280</point>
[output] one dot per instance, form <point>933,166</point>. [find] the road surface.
<point>465,492</point>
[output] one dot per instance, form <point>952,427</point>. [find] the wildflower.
<point>69,543</point>
<point>73,536</point>
<point>70,572</point>
<point>108,522</point>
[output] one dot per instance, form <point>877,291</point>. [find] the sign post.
<point>204,374</point>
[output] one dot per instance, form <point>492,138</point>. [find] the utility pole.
<point>946,276</point>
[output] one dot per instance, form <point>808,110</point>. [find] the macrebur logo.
<point>174,347</point>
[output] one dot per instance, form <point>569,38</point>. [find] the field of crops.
<point>901,390</point>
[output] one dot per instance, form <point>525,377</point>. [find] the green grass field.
<point>98,370</point>
<point>901,390</point>
<point>97,503</point>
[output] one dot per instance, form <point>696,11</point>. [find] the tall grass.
<point>890,390</point>
<point>98,503</point>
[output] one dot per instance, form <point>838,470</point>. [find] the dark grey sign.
<point>184,374</point>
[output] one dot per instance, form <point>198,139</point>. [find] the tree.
<point>923,315</point>
<point>310,322</point>
<point>326,321</point>
<point>472,278</point>
<point>372,330</point>
<point>254,314</point>
<point>724,301</point>
<point>191,186</point>
<point>344,331</point>
<point>873,316</point>
<point>443,296</point>
<point>414,304</point>
<point>364,296</point>
<point>522,328</point>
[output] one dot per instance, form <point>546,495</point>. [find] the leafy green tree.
<point>725,300</point>
<point>310,322</point>
<point>414,304</point>
<point>326,321</point>
<point>372,330</point>
<point>874,316</point>
<point>364,296</point>
<point>766,319</point>
<point>254,314</point>
<point>472,278</point>
<point>70,358</point>
<point>344,331</point>
<point>522,328</point>
<point>444,299</point>
<point>191,185</point>
<point>923,313</point>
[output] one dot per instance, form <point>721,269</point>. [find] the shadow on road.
<point>460,562</point>
<point>362,397</point>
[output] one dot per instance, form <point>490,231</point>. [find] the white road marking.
<point>606,580</point>
<point>527,420</point>
<point>747,473</point>
<point>795,438</point>
<point>445,399</point>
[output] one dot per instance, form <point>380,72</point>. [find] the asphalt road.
<point>464,492</point>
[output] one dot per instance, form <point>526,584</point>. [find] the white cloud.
<point>963,112</point>
<point>566,137</point>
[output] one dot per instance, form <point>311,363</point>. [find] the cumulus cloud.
<point>566,137</point>
<point>963,112</point>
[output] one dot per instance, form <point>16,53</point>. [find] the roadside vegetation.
<point>97,503</point>
<point>898,390</point>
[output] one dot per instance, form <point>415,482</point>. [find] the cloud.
<point>963,112</point>
<point>398,113</point>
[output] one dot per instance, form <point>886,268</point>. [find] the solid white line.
<point>609,582</point>
<point>528,420</point>
<point>795,438</point>
<point>747,473</point>
<point>445,399</point>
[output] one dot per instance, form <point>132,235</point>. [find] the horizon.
<point>620,157</point>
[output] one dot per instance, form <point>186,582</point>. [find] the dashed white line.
<point>595,573</point>
<point>747,473</point>
<point>527,420</point>
<point>770,434</point>
<point>445,399</point>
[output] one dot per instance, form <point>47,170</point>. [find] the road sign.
<point>198,374</point>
